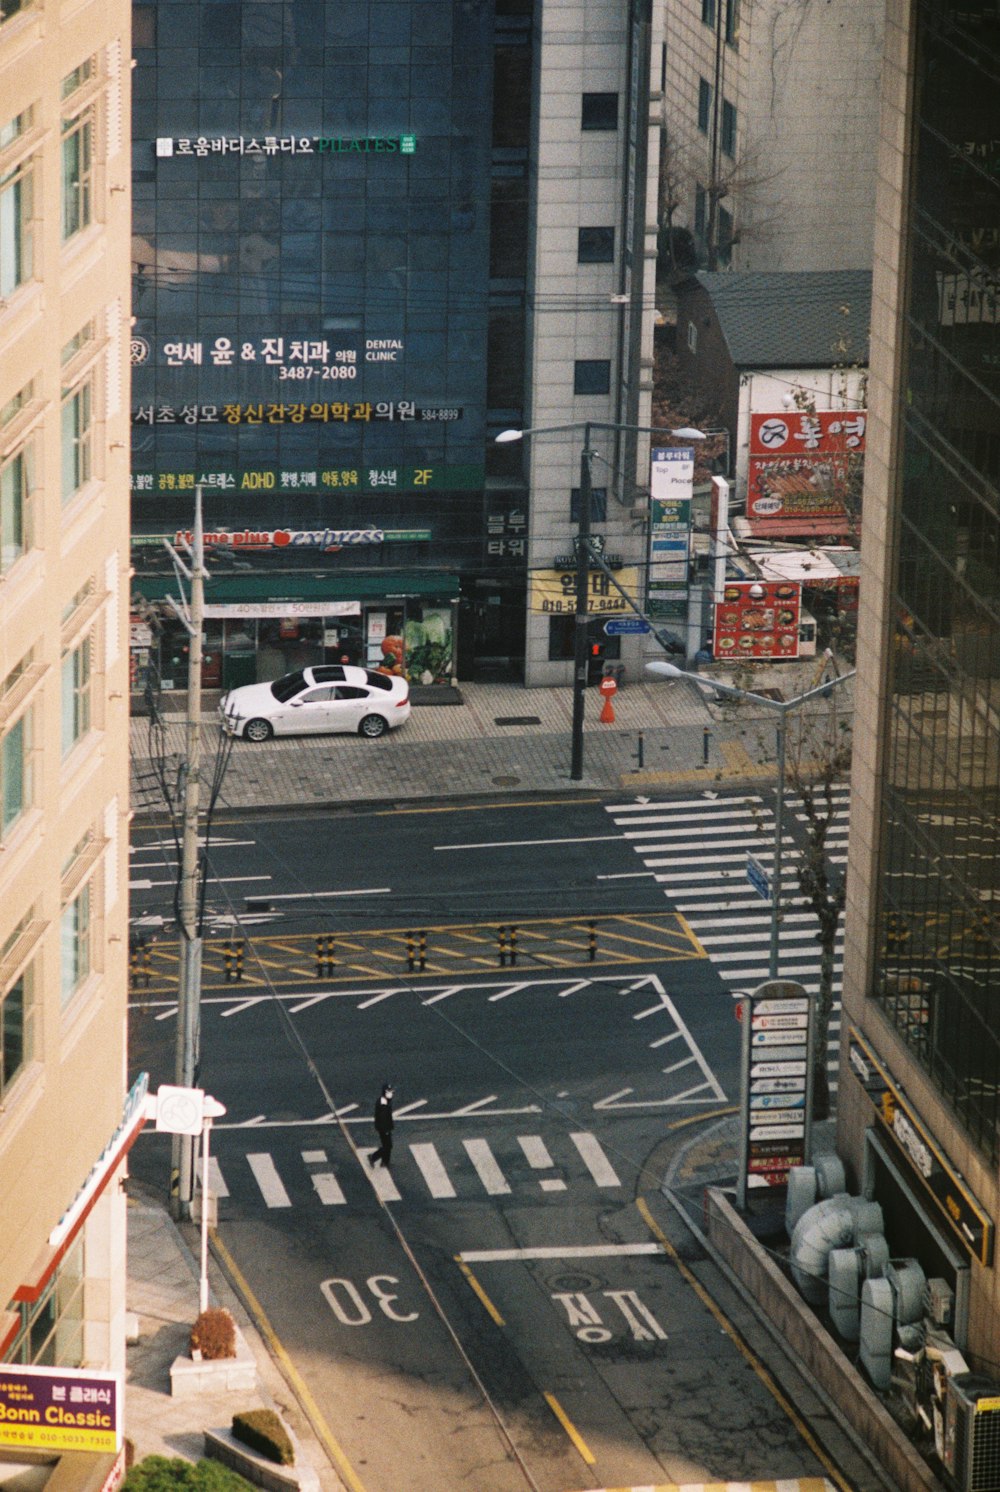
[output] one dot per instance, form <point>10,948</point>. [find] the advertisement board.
<point>803,469</point>
<point>757,619</point>
<point>554,592</point>
<point>777,1083</point>
<point>670,489</point>
<point>60,1409</point>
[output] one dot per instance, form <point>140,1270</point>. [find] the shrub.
<point>160,1474</point>
<point>263,1432</point>
<point>214,1335</point>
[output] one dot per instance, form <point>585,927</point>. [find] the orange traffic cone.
<point>607,711</point>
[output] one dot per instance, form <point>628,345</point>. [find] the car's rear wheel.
<point>373,726</point>
<point>258,730</point>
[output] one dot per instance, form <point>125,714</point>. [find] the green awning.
<point>233,590</point>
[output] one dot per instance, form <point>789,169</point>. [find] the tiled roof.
<point>793,319</point>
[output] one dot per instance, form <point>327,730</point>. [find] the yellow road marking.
<point>478,1290</point>
<point>692,935</point>
<point>699,1118</point>
<point>381,813</point>
<point>741,1346</point>
<point>570,1428</point>
<point>312,1409</point>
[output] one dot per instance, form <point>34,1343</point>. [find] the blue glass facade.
<point>312,250</point>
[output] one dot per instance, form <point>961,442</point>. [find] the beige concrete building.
<point>771,113</point>
<point>919,1121</point>
<point>64,578</point>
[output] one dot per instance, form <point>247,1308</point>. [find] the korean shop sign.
<point>554,592</point>
<point>202,146</point>
<point>59,1409</point>
<point>803,467</point>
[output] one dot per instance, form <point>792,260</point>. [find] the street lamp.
<point>583,553</point>
<point>781,708</point>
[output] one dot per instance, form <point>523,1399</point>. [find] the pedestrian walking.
<point>383,1126</point>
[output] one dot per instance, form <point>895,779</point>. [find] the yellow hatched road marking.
<point>581,1445</point>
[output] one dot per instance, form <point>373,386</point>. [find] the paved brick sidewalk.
<point>501,738</point>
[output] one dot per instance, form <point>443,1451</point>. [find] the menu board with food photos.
<point>757,619</point>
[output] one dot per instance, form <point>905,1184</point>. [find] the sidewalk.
<point>162,1294</point>
<point>508,739</point>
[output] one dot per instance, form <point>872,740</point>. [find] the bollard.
<point>319,956</point>
<point>513,945</point>
<point>147,963</point>
<point>423,949</point>
<point>502,942</point>
<point>641,753</point>
<point>410,952</point>
<point>592,941</point>
<point>240,947</point>
<point>227,959</point>
<point>706,737</point>
<point>133,961</point>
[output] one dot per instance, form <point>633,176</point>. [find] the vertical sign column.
<point>670,489</point>
<point>777,1085</point>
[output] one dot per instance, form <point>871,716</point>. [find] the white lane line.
<point>512,844</point>
<point>211,880</point>
<point>684,1062</point>
<point>665,1040</point>
<point>564,1251</point>
<point>246,1004</point>
<point>657,836</point>
<point>384,994</point>
<point>267,1178</point>
<point>721,805</point>
<point>594,1158</point>
<point>431,1168</point>
<point>166,1014</point>
<point>626,875</point>
<point>694,819</point>
<point>536,1152</point>
<point>453,989</point>
<point>512,989</point>
<point>314,895</point>
<point>487,1169</point>
<point>327,1189</point>
<point>314,1157</point>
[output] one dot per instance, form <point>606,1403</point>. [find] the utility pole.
<point>581,651</point>
<point>188,909</point>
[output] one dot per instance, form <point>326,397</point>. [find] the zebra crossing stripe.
<point>432,1170</point>
<point>488,1171</point>
<point>595,1160</point>
<point>266,1176</point>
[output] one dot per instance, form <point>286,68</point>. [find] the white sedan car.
<point>311,701</point>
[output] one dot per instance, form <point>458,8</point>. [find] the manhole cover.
<point>505,781</point>
<point>517,720</point>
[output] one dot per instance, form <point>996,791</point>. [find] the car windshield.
<point>380,680</point>
<point>289,685</point>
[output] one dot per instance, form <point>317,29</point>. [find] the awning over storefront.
<point>274,587</point>
<point>809,566</point>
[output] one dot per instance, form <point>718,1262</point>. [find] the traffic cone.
<point>607,711</point>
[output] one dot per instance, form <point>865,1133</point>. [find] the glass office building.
<point>335,271</point>
<point>921,1085</point>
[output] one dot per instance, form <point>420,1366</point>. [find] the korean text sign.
<point>59,1409</point>
<point>757,620</point>
<point>801,467</point>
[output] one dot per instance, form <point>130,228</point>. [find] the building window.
<point>599,111</point>
<point>17,1012</point>
<point>704,105</point>
<point>732,22</point>
<point>15,772</point>
<point>51,1329</point>
<point>74,945</point>
<point>592,376</point>
<point>700,211</point>
<point>725,244</point>
<point>77,172</point>
<point>598,504</point>
<point>728,127</point>
<point>77,437</point>
<point>15,489</point>
<point>16,197</point>
<point>708,12</point>
<point>10,8</point>
<point>76,692</point>
<point>595,246</point>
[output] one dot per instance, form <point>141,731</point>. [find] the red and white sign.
<point>757,620</point>
<point>801,468</point>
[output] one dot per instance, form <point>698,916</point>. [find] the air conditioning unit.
<point>972,1433</point>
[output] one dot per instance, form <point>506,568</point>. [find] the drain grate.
<point>517,720</point>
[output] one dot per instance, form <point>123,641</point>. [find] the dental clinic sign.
<point>272,145</point>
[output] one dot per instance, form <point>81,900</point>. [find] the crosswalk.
<point>459,1170</point>
<point>697,849</point>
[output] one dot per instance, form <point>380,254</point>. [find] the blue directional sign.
<point>758,878</point>
<point>619,624</point>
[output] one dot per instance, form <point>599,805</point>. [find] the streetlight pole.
<point>781,708</point>
<point>584,555</point>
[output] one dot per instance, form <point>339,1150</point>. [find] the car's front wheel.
<point>258,730</point>
<point>373,726</point>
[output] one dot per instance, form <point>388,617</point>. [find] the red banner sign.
<point>800,470</point>
<point>757,619</point>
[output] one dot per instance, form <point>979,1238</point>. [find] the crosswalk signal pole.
<point>580,652</point>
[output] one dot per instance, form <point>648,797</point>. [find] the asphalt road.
<point>503,1308</point>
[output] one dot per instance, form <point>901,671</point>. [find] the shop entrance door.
<point>498,625</point>
<point>239,669</point>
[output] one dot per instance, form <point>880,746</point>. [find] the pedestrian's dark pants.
<point>384,1151</point>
